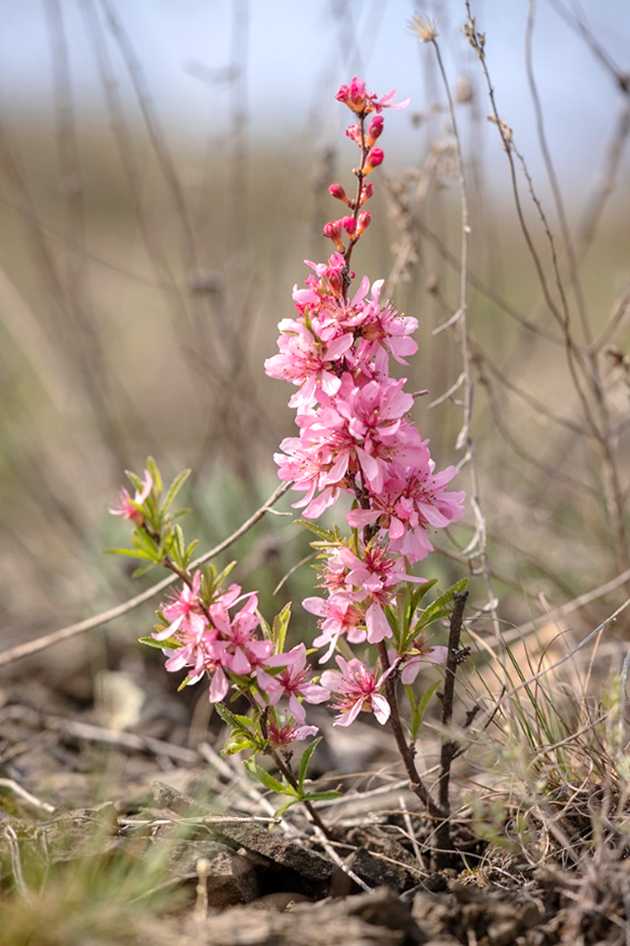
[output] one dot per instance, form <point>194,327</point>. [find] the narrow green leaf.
<point>169,644</point>
<point>322,796</point>
<point>420,709</point>
<point>174,489</point>
<point>305,761</point>
<point>279,812</point>
<point>265,778</point>
<point>131,553</point>
<point>280,627</point>
<point>441,607</point>
<point>152,467</point>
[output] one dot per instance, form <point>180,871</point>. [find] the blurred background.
<point>163,175</point>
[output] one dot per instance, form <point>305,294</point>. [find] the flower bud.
<point>366,193</point>
<point>375,130</point>
<point>332,230</point>
<point>349,224</point>
<point>363,221</point>
<point>374,158</point>
<point>336,190</point>
<point>353,132</point>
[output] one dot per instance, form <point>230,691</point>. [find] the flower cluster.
<point>226,646</point>
<point>356,437</point>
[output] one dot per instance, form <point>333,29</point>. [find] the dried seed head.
<point>424,28</point>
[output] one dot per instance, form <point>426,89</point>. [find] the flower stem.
<point>405,750</point>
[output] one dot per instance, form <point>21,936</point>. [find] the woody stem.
<point>405,750</point>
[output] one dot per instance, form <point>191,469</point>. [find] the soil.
<point>81,790</point>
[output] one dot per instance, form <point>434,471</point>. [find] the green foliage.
<point>418,706</point>
<point>157,536</point>
<point>411,619</point>
<point>280,627</point>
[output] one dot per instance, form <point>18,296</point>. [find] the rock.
<point>230,878</point>
<point>275,848</point>
<point>381,861</point>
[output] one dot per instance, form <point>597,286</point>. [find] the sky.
<point>297,53</point>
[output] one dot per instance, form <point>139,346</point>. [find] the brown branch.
<point>405,750</point>
<point>449,746</point>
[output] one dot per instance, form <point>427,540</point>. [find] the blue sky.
<point>299,52</point>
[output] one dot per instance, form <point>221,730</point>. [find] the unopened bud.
<point>332,230</point>
<point>374,158</point>
<point>376,129</point>
<point>363,221</point>
<point>349,224</point>
<point>353,132</point>
<point>336,190</point>
<point>366,193</point>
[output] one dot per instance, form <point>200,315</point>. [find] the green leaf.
<point>326,535</point>
<point>169,644</point>
<point>174,489</point>
<point>279,812</point>
<point>147,544</point>
<point>305,761</point>
<point>322,796</point>
<point>441,607</point>
<point>419,707</point>
<point>220,578</point>
<point>280,627</point>
<point>132,553</point>
<point>238,744</point>
<point>266,779</point>
<point>152,467</point>
<point>419,592</point>
<point>228,717</point>
<point>265,626</point>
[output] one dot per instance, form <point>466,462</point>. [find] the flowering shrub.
<point>355,439</point>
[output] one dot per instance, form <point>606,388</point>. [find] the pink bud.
<point>349,224</point>
<point>332,230</point>
<point>363,221</point>
<point>367,192</point>
<point>374,158</point>
<point>376,128</point>
<point>336,190</point>
<point>353,132</point>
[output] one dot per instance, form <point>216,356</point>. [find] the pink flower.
<point>293,681</point>
<point>305,360</point>
<point>412,501</point>
<point>204,656</point>
<point>183,610</point>
<point>213,647</point>
<point>127,507</point>
<point>339,617</point>
<point>307,468</point>
<point>357,689</point>
<point>283,731</point>
<point>243,652</point>
<point>421,654</point>
<point>378,575</point>
<point>356,96</point>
